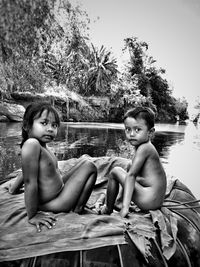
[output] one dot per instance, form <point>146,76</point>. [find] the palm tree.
<point>102,72</point>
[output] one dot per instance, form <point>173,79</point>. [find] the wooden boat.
<point>168,237</point>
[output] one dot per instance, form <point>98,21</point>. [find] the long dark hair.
<point>33,111</point>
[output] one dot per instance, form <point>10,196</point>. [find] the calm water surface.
<point>178,147</point>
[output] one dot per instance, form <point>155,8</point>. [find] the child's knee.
<point>114,172</point>
<point>91,166</point>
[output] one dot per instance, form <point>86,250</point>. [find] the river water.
<point>178,146</point>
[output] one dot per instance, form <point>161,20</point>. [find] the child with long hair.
<point>45,189</point>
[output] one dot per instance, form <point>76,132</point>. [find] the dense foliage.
<point>23,26</point>
<point>150,82</point>
<point>46,44</point>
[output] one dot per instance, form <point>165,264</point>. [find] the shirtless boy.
<point>145,182</point>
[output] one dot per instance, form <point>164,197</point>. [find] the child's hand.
<point>124,212</point>
<point>42,218</point>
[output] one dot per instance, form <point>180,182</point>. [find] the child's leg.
<point>117,176</point>
<point>82,180</point>
<point>87,190</point>
<point>71,171</point>
<point>14,187</point>
<point>119,199</point>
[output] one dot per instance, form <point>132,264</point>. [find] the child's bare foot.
<point>133,207</point>
<point>13,190</point>
<point>118,206</point>
<point>79,210</point>
<point>104,210</point>
<point>10,189</point>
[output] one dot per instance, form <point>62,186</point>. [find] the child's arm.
<point>30,166</point>
<point>129,186</point>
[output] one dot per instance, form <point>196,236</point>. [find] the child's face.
<point>136,131</point>
<point>44,128</point>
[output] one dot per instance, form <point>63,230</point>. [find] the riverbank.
<point>70,105</point>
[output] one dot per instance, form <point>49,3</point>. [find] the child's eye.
<point>137,130</point>
<point>55,125</point>
<point>44,123</point>
<point>128,130</point>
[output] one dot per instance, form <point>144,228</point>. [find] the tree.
<point>149,79</point>
<point>181,109</point>
<point>24,27</point>
<point>125,93</point>
<point>67,58</point>
<point>102,71</point>
<point>197,109</point>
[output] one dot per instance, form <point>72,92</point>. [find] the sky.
<point>171,28</point>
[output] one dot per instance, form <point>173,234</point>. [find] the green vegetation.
<point>45,44</point>
<point>197,109</point>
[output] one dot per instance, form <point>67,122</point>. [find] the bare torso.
<point>150,183</point>
<point>50,182</point>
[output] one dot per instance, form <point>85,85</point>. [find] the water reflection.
<point>9,148</point>
<point>177,145</point>
<point>183,161</point>
<point>163,142</point>
<point>73,141</point>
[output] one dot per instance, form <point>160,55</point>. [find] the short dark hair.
<point>34,110</point>
<point>144,113</point>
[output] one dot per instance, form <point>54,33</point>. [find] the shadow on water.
<point>96,140</point>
